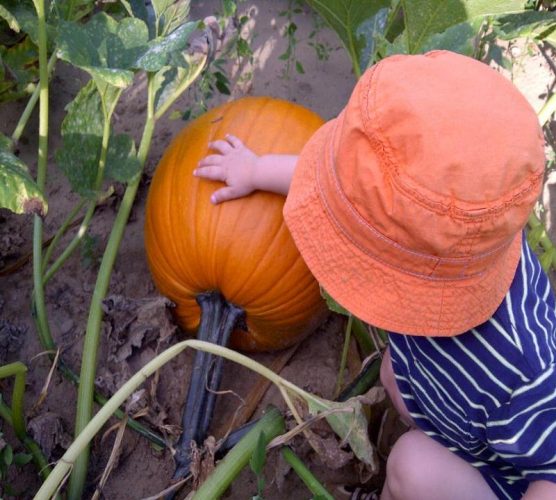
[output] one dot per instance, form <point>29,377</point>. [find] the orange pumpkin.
<point>242,247</point>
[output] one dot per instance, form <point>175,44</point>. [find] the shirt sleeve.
<point>523,430</point>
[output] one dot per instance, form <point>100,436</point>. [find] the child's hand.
<point>235,165</point>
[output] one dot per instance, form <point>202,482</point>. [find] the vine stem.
<point>85,393</point>
<point>39,304</point>
<point>83,439</point>
<point>19,371</point>
<point>343,360</point>
<point>61,231</point>
<point>305,474</point>
<point>31,103</point>
<point>33,448</point>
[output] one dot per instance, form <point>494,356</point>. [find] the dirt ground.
<point>140,471</point>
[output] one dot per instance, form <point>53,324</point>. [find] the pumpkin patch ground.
<point>138,321</point>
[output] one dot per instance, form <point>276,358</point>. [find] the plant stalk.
<point>92,335</point>
<point>61,231</point>
<point>343,360</point>
<point>218,320</point>
<point>19,371</point>
<point>40,461</point>
<point>316,488</point>
<point>83,439</point>
<point>272,424</point>
<point>31,103</point>
<point>39,309</point>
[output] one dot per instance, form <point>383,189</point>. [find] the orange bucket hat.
<point>409,206</point>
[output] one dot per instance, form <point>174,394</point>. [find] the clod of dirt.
<point>11,338</point>
<point>48,431</point>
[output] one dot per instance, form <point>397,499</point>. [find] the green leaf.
<point>370,30</point>
<point>533,24</point>
<point>534,236</point>
<point>168,80</point>
<point>349,423</point>
<point>18,191</point>
<point>460,38</point>
<point>423,18</point>
<point>332,304</point>
<point>259,455</point>
<point>10,19</point>
<point>160,49</point>
<point>82,131</point>
<point>346,18</point>
<point>107,49</point>
<point>299,68</point>
<point>8,455</point>
<point>20,62</point>
<point>229,8</point>
<point>170,14</point>
<point>122,164</point>
<point>21,459</point>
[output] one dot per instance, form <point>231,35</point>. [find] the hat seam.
<point>335,223</point>
<point>383,150</point>
<point>465,260</point>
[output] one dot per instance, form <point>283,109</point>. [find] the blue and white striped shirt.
<point>489,394</point>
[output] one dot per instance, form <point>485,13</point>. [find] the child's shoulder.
<point>526,317</point>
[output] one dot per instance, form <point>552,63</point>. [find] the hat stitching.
<point>384,151</point>
<point>362,221</point>
<point>339,227</point>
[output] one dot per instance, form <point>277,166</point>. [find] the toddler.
<point>409,210</point>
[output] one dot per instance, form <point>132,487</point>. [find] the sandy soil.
<point>140,471</point>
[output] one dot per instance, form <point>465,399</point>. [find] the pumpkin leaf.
<point>423,18</point>
<point>460,38</point>
<point>82,130</point>
<point>533,24</point>
<point>169,79</point>
<point>24,15</point>
<point>18,192</point>
<point>20,62</point>
<point>9,18</point>
<point>105,48</point>
<point>370,30</point>
<point>122,164</point>
<point>160,50</point>
<point>332,304</point>
<point>349,423</point>
<point>353,21</point>
<point>170,14</point>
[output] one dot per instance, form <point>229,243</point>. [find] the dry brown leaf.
<point>47,430</point>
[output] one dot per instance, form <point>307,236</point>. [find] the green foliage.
<point>289,33</point>
<point>10,460</point>
<point>257,461</point>
<point>18,192</point>
<point>82,131</point>
<point>352,20</point>
<point>107,49</point>
<point>424,18</point>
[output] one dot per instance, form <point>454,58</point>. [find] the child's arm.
<point>243,171</point>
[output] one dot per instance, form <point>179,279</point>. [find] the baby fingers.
<point>210,160</point>
<point>234,141</point>
<point>222,146</point>
<point>214,173</point>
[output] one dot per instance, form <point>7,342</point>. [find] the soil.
<point>137,323</point>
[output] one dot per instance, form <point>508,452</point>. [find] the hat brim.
<point>379,294</point>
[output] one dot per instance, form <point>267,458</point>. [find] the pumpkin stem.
<point>218,320</point>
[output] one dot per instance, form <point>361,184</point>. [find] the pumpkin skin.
<point>242,247</point>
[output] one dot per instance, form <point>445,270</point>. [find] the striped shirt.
<point>489,394</point>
